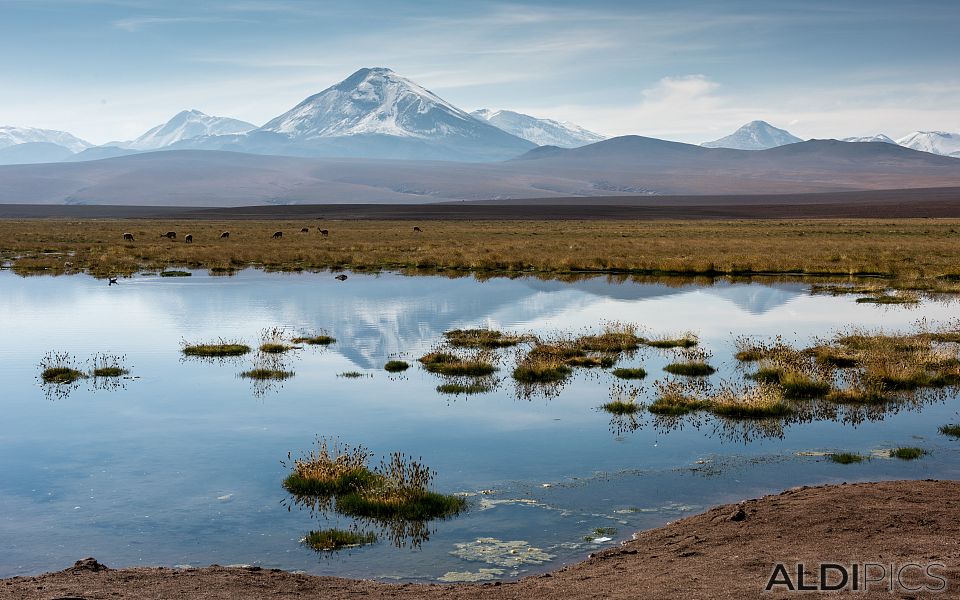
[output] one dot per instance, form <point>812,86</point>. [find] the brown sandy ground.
<point>726,553</point>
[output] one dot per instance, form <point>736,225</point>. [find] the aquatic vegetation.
<point>446,363</point>
<point>59,368</point>
<point>352,374</point>
<point>600,532</point>
<point>692,363</point>
<point>629,373</point>
<point>274,348</point>
<point>396,366</point>
<point>107,365</point>
<point>907,453</point>
<point>329,540</point>
<point>541,368</point>
<point>217,349</point>
<point>743,402</point>
<point>482,338</point>
<point>831,356</point>
<point>951,430</point>
<point>623,400</point>
<point>590,361</point>
<point>175,273</point>
<point>749,349</point>
<point>329,469</point>
<point>615,338</point>
<point>467,388</point>
<point>687,340</point>
<point>899,298</point>
<point>314,340</point>
<point>676,397</point>
<point>846,458</point>
<point>272,341</point>
<point>266,373</point>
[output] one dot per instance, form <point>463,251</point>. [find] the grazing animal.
<point>225,235</point>
<point>324,232</point>
<point>278,234</point>
<point>170,235</point>
<point>128,237</point>
<point>112,280</point>
<point>304,229</point>
<point>189,238</point>
<point>417,229</point>
<point>341,277</point>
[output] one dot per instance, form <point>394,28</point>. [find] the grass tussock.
<point>330,540</point>
<point>59,368</point>
<point>218,349</point>
<point>467,388</point>
<point>274,347</point>
<point>846,458</point>
<point>267,374</point>
<point>330,468</point>
<point>314,340</point>
<point>623,400</point>
<point>615,338</point>
<point>481,338</point>
<point>692,362</point>
<point>455,365</point>
<point>108,366</point>
<point>542,367</point>
<point>396,366</point>
<point>352,374</point>
<point>899,298</point>
<point>175,274</point>
<point>629,373</point>
<point>675,397</point>
<point>951,430</point>
<point>907,453</point>
<point>687,340</point>
<point>591,361</point>
<point>761,401</point>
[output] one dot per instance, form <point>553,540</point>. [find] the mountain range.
<point>377,114</point>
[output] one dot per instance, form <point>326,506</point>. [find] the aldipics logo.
<point>858,577</point>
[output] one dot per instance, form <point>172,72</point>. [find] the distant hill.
<point>755,135</point>
<point>542,132</point>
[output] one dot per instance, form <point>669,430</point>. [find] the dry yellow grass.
<point>911,250</point>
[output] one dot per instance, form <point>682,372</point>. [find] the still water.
<point>181,465</point>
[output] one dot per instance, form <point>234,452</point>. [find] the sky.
<point>689,71</point>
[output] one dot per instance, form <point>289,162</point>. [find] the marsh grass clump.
<point>330,540</point>
<point>272,341</point>
<point>402,493</point>
<point>600,532</point>
<point>329,469</point>
<point>677,397</point>
<point>629,373</point>
<point>175,274</point>
<point>623,400</point>
<point>263,373</point>
<point>831,356</point>
<point>482,338</point>
<point>615,338</point>
<point>692,363</point>
<point>951,430</point>
<point>907,453</point>
<point>748,349</point>
<point>107,365</point>
<point>450,364</point>
<point>218,349</point>
<point>687,340</point>
<point>59,368</point>
<point>542,367</point>
<point>352,374</point>
<point>761,401</point>
<point>898,298</point>
<point>318,339</point>
<point>396,366</point>
<point>468,388</point>
<point>797,373</point>
<point>590,361</point>
<point>846,458</point>
<point>274,348</point>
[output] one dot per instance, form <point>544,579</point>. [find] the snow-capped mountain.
<point>935,142</point>
<point>377,113</point>
<point>11,136</point>
<point>187,125</point>
<point>755,135</point>
<point>870,138</point>
<point>542,132</point>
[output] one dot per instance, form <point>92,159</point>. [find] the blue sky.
<point>688,71</point>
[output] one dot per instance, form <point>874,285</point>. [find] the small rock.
<point>738,515</point>
<point>88,564</point>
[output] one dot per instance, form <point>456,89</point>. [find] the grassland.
<point>919,253</point>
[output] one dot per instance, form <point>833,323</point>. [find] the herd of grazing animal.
<point>172,235</point>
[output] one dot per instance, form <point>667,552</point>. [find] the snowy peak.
<point>12,136</point>
<point>935,142</point>
<point>755,135</point>
<point>376,101</point>
<point>542,132</point>
<point>870,138</point>
<point>187,125</point>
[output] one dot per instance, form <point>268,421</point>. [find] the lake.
<point>180,464</point>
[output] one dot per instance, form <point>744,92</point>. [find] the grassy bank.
<point>918,250</point>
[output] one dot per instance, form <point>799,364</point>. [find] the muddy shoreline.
<point>728,552</point>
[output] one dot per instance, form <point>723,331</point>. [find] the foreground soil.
<point>726,553</point>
